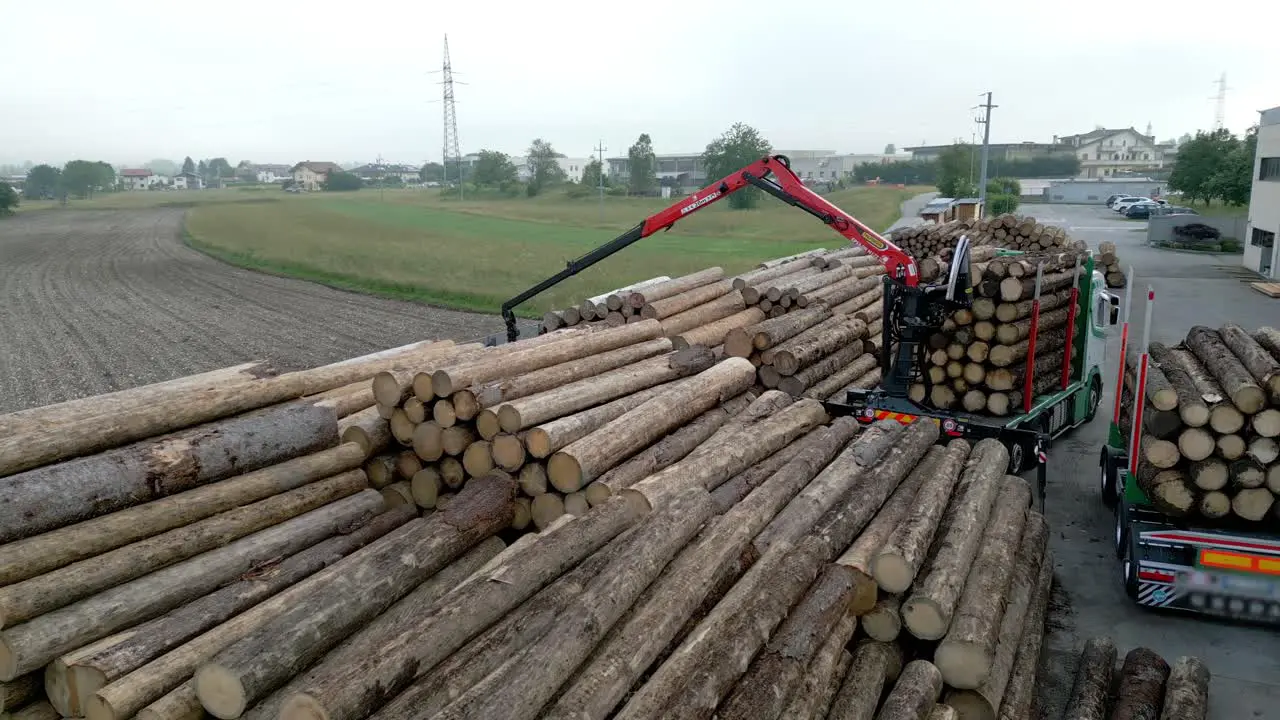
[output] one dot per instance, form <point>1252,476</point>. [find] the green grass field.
<point>474,255</point>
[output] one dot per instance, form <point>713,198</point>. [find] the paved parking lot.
<point>1190,289</point>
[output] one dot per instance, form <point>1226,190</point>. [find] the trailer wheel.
<point>1108,478</point>
<point>1095,397</point>
<point>1120,533</point>
<point>1017,458</point>
<point>1130,569</point>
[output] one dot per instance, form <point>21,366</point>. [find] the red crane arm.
<point>774,176</point>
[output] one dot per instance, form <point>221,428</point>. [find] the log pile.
<point>1146,686</point>
<point>1210,441</point>
<point>1108,263</point>
<point>1007,231</point>
<point>691,520</point>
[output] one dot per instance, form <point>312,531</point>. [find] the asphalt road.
<point>1190,289</point>
<point>95,301</point>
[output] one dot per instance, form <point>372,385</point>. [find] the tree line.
<point>957,167</point>
<point>1216,165</point>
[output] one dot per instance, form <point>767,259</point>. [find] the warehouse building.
<point>1262,252</point>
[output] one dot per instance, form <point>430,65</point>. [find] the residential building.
<point>309,175</point>
<point>999,151</point>
<point>187,181</point>
<point>680,169</point>
<point>373,172</point>
<point>137,178</point>
<point>1105,153</point>
<point>1261,251</point>
<point>686,170</point>
<point>270,173</point>
<point>572,167</point>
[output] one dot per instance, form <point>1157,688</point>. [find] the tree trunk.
<point>59,588</point>
<point>1007,355</point>
<point>1236,381</point>
<point>815,343</point>
<point>730,452</point>
<point>825,388</point>
<point>33,644</point>
<point>506,389</point>
<point>763,275</point>
<point>492,364</point>
<point>914,695</point>
<point>1011,333</point>
<point>701,314</point>
<point>1210,474</point>
<point>39,554</point>
<point>1016,703</point>
<point>966,654</point>
<point>774,331</point>
<point>1186,695</point>
<point>1160,453</point>
<point>714,333</point>
<point>884,621</point>
<point>116,656</point>
<point>1196,444</point>
<point>639,297</point>
<point>928,610</point>
<point>1264,368</point>
<point>875,665</point>
<point>822,677</point>
<point>862,301</point>
<point>367,429</point>
<point>859,556</point>
<point>673,447</point>
<point>655,619</point>
<point>1231,447</point>
<point>1007,312</point>
<point>52,496</point>
<point>507,452</point>
<point>549,437</point>
<point>346,690</point>
<point>1191,405</point>
<point>1266,423</point>
<point>1215,505</point>
<point>1160,392</point>
<point>676,304</point>
<point>575,396</point>
<point>1210,391</point>
<point>1169,490</point>
<point>584,460</point>
<point>1015,289</point>
<point>1093,681</point>
<point>367,584</point>
<point>1141,690</point>
<point>20,691</point>
<point>798,382</point>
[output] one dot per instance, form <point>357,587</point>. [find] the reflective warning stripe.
<point>904,418</point>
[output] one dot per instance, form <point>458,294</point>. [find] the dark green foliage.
<point>1215,166</point>
<point>1004,186</point>
<point>643,162</point>
<point>43,182</point>
<point>740,146</point>
<point>340,181</point>
<point>492,169</point>
<point>8,199</point>
<point>998,204</point>
<point>83,178</point>
<point>544,169</point>
<point>431,172</point>
<point>925,172</point>
<point>188,165</point>
<point>592,174</point>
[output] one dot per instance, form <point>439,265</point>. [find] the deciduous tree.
<point>890,149</point>
<point>738,147</point>
<point>1198,161</point>
<point>82,178</point>
<point>592,174</point>
<point>643,162</point>
<point>340,181</point>
<point>431,172</point>
<point>43,182</point>
<point>544,168</point>
<point>8,199</point>
<point>954,165</point>
<point>493,169</point>
<point>1232,182</point>
<point>188,165</point>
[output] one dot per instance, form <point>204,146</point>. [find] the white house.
<point>373,172</point>
<point>137,178</point>
<point>310,175</point>
<point>187,181</point>
<point>1104,153</point>
<point>1262,252</point>
<point>271,173</point>
<point>572,167</point>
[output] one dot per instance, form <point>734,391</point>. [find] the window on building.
<point>1262,238</point>
<point>822,173</point>
<point>1146,156</point>
<point>1269,169</point>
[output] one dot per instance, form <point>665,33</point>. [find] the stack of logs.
<point>1211,425</point>
<point>732,552</point>
<point>1108,263</point>
<point>1146,686</point>
<point>978,361</point>
<point>1004,231</point>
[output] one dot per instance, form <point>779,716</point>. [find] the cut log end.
<point>302,706</point>
<point>924,618</point>
<point>565,472</point>
<point>220,691</point>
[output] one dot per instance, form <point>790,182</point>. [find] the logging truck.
<point>1224,567</point>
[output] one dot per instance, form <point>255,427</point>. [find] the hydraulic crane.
<point>911,314</point>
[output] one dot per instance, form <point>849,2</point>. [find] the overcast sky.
<point>283,81</point>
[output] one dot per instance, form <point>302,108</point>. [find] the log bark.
<point>1093,681</point>
<point>832,384</point>
<point>774,331</point>
<point>929,608</point>
<point>584,460</point>
<point>1007,355</point>
<point>23,559</point>
<point>1011,333</point>
<point>19,691</point>
<point>490,365</point>
<point>677,304</point>
<point>28,444</point>
<point>1141,690</point>
<point>1007,312</point>
<point>714,333</point>
<point>859,556</point>
<point>1020,691</point>
<point>1171,491</point>
<point>1015,289</point>
<point>33,644</point>
<point>1159,391</point>
<point>824,368</point>
<point>40,710</point>
<point>52,496</point>
<point>469,609</point>
<point>1186,695</point>
<point>672,448</point>
<point>707,312</point>
<point>1227,369</point>
<point>1269,338</point>
<point>44,593</point>
<point>1210,391</point>
<point>502,390</point>
<point>815,343</point>
<point>639,297</point>
<point>1191,406</point>
<point>822,678</point>
<point>1264,368</point>
<point>730,452</point>
<point>965,656</point>
<point>368,583</point>
<point>125,652</point>
<point>367,429</point>
<point>582,394</point>
<point>655,619</point>
<point>875,665</point>
<point>914,694</point>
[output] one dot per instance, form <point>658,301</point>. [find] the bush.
<point>341,181</point>
<point>616,191</point>
<point>1231,245</point>
<point>1001,204</point>
<point>577,191</point>
<point>8,199</point>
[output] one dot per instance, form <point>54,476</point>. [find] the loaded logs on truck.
<point>695,521</point>
<point>1146,686</point>
<point>1210,440</point>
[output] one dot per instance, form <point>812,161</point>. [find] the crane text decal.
<point>874,241</point>
<point>699,203</point>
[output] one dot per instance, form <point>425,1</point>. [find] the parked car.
<point>1141,210</point>
<point>1112,198</point>
<point>1124,204</point>
<point>1173,210</point>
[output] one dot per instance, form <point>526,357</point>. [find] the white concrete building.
<point>1262,252</point>
<point>138,178</point>
<point>1104,153</point>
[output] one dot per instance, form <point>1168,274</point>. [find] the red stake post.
<point>1071,326</point>
<point>1029,384</point>
<point>1124,346</point>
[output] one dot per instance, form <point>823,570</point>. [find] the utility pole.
<point>451,152</point>
<point>600,148</point>
<point>985,119</point>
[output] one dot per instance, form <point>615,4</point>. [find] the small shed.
<point>966,209</point>
<point>938,210</point>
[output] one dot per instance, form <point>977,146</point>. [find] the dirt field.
<point>96,301</point>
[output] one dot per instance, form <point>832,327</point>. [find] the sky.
<point>281,81</point>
